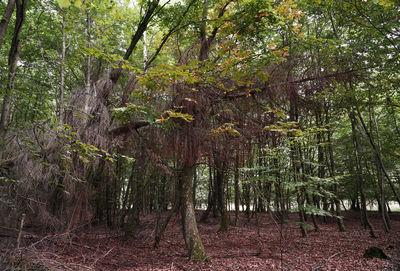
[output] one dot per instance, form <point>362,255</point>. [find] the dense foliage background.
<point>115,109</point>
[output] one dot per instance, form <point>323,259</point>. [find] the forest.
<point>200,135</point>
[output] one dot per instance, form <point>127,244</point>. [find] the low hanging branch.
<point>128,128</point>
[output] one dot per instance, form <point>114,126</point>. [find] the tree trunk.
<point>220,185</point>
<point>300,192</point>
<point>212,197</point>
<point>331,168</point>
<point>237,190</point>
<point>191,234</point>
<point>369,138</point>
<point>12,68</point>
<point>6,19</point>
<point>382,210</point>
<point>364,216</point>
<point>194,187</point>
<point>88,67</point>
<point>80,207</point>
<point>247,200</point>
<point>62,71</point>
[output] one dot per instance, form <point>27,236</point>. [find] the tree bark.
<point>6,19</point>
<point>62,71</point>
<point>88,65</point>
<point>12,68</point>
<point>237,189</point>
<point>382,198</point>
<point>300,192</point>
<point>191,233</point>
<point>152,6</point>
<point>364,215</point>
<point>368,137</point>
<point>331,167</point>
<point>212,197</point>
<point>220,185</point>
<point>194,187</point>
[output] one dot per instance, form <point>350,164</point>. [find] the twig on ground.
<point>326,262</point>
<point>101,257</point>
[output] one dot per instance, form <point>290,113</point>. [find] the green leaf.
<point>78,3</point>
<point>64,3</point>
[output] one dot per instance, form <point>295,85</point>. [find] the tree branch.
<point>172,30</point>
<point>128,128</point>
<point>116,72</point>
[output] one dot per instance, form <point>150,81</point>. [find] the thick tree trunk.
<point>191,233</point>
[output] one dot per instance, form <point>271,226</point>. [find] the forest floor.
<point>254,245</point>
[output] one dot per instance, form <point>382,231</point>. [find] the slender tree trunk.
<point>194,187</point>
<point>80,207</point>
<point>295,159</point>
<point>321,160</point>
<point>382,200</point>
<point>88,66</point>
<point>331,167</point>
<point>220,184</point>
<point>125,201</point>
<point>12,68</point>
<point>144,51</point>
<point>62,71</point>
<point>237,189</point>
<point>137,194</point>
<point>6,19</point>
<point>108,203</point>
<point>383,210</point>
<point>247,200</point>
<point>300,192</point>
<point>364,215</point>
<point>369,138</point>
<point>313,218</point>
<point>212,196</point>
<point>279,203</point>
